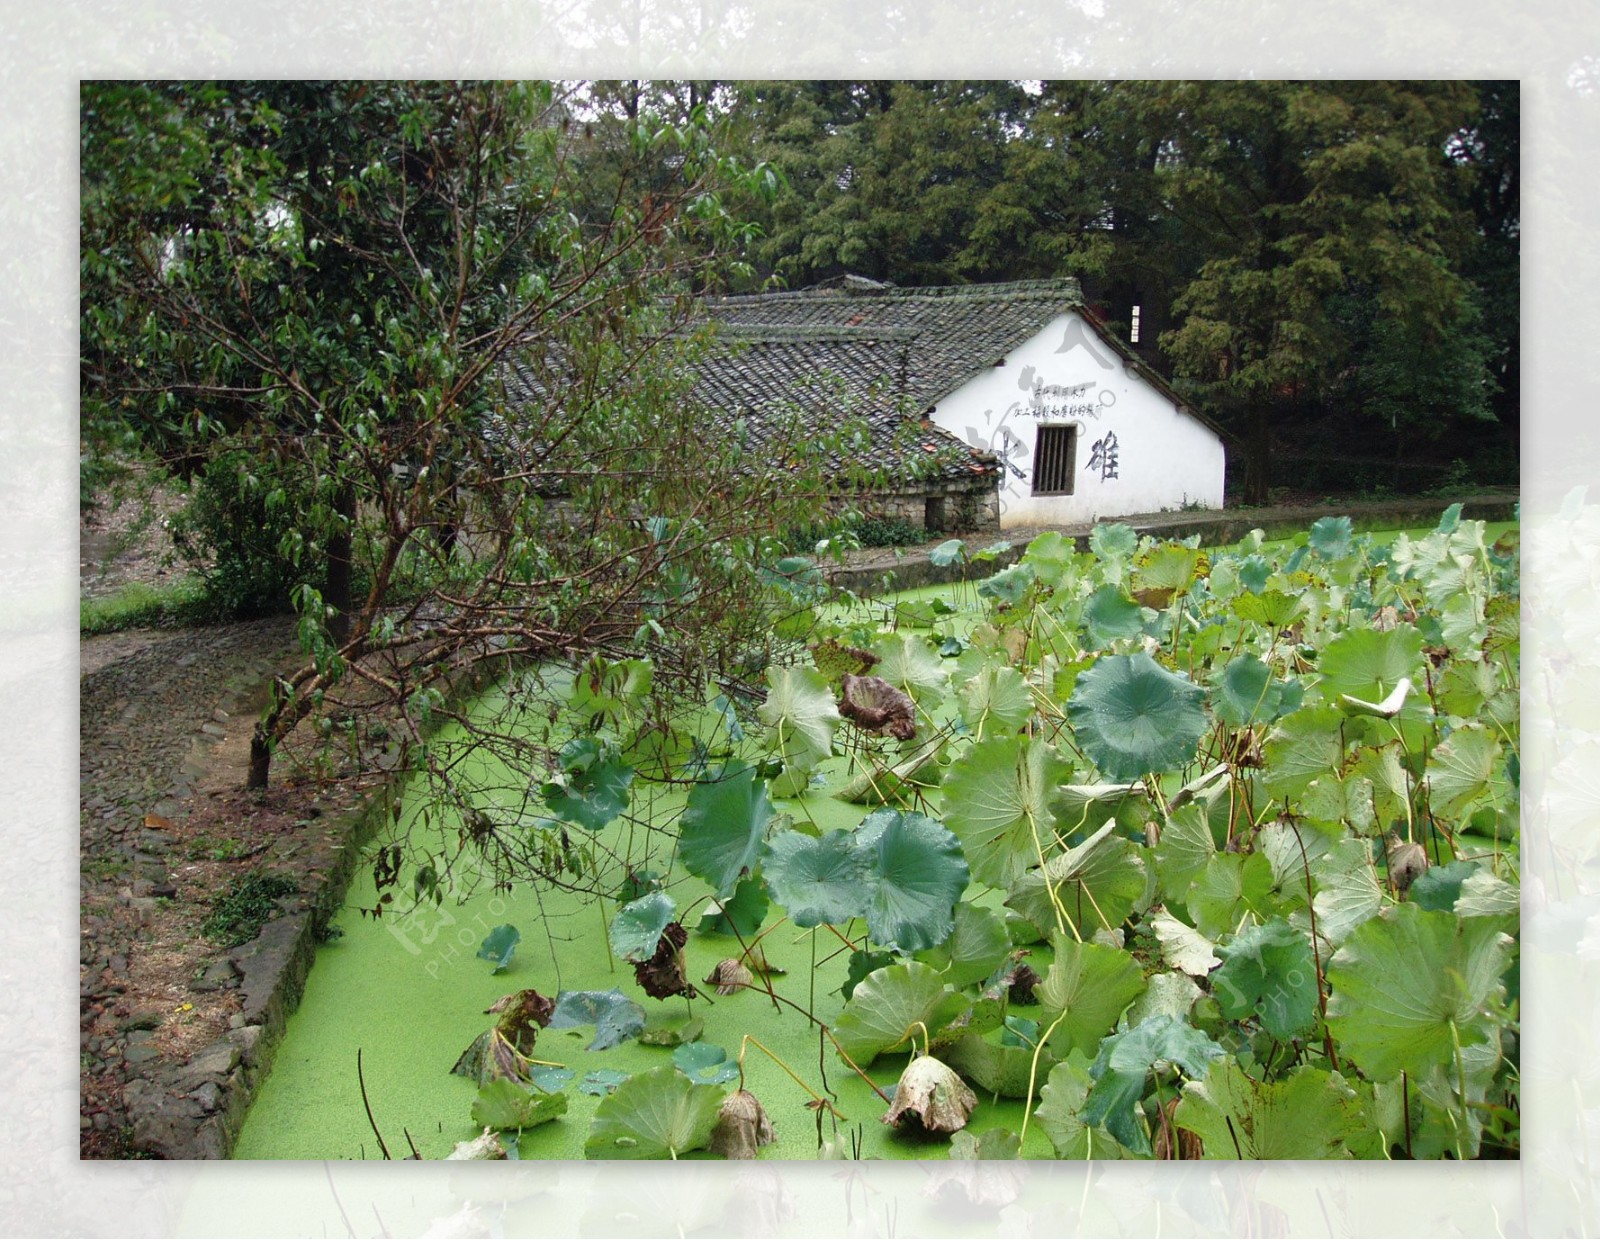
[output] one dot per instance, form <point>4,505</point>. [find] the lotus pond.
<point>1147,851</point>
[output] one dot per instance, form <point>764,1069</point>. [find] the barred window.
<point>1054,455</point>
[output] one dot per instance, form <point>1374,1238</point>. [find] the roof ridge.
<point>802,333</point>
<point>1033,289</point>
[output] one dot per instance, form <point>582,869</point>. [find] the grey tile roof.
<point>846,391</point>
<point>956,331</point>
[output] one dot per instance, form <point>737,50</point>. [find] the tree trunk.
<point>260,758</point>
<point>1258,456</point>
<point>338,595</point>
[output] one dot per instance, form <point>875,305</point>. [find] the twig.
<point>362,1081</point>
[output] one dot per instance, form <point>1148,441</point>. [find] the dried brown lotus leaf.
<point>729,976</point>
<point>877,706</point>
<point>487,1146</point>
<point>1022,983</point>
<point>742,1126</point>
<point>1406,863</point>
<point>932,1097</point>
<point>663,975</point>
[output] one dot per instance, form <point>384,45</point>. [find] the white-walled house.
<point>1023,371</point>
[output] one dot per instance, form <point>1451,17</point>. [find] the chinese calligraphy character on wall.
<point>1103,457</point>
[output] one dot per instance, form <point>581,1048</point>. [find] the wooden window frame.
<point>1055,462</point>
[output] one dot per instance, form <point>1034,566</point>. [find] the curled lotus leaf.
<point>742,1126</point>
<point>730,975</point>
<point>931,1098</point>
<point>876,706</point>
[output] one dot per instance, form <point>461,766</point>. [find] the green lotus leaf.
<point>1348,892</point>
<point>819,880</point>
<point>862,965</point>
<point>1311,1114</point>
<point>996,699</point>
<point>909,663</point>
<point>499,945</point>
<point>601,1082</point>
<point>1113,541</point>
<point>895,784</point>
<point>1087,807</point>
<point>722,825</point>
<point>1110,614</point>
<point>1088,986</point>
<point>655,1114</point>
<point>1051,555</point>
<point>1097,884</point>
<point>1008,1071</point>
<point>977,946</point>
<point>1464,768</point>
<point>550,1079</point>
<point>1009,585</point>
<point>1060,1114</point>
<point>742,915</point>
<point>594,788</point>
<point>613,1015</point>
<point>1181,854</point>
<point>1133,717</point>
<point>1268,972</point>
<point>1409,983</point>
<point>1167,994</point>
<point>949,552</point>
<point>1168,567</point>
<point>916,874</point>
<point>1273,608</point>
<point>998,799</point>
<point>1302,747</point>
<point>1254,572</point>
<point>1123,1065</point>
<point>672,1031</point>
<point>893,1005</point>
<point>1368,664</point>
<point>637,927</point>
<point>1231,886</point>
<point>505,1104</point>
<point>1331,537</point>
<point>1438,886</point>
<point>705,1063</point>
<point>1245,692</point>
<point>800,714</point>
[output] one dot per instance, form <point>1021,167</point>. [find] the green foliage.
<point>245,905</point>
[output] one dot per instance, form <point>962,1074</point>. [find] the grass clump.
<point>140,605</point>
<point>238,914</point>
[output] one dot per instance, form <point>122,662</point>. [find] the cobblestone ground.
<point>164,720</point>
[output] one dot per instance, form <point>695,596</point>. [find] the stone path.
<point>159,712</point>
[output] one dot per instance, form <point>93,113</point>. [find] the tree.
<point>459,373</point>
<point>1299,194</point>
